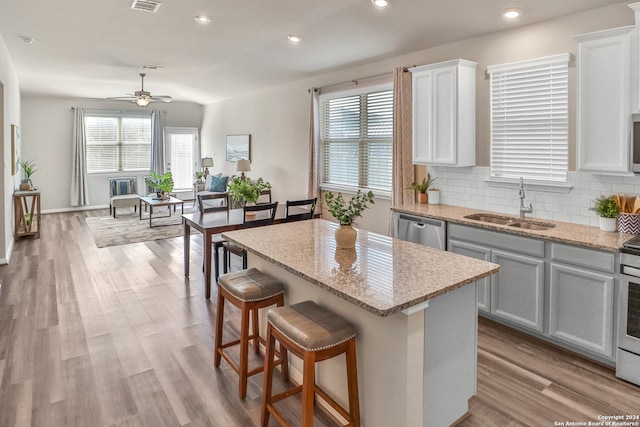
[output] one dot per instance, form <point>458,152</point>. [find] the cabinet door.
<point>581,308</point>
<point>443,132</point>
<point>422,116</point>
<point>483,286</point>
<point>517,291</point>
<point>603,101</point>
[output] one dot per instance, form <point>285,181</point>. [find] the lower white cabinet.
<point>561,293</point>
<point>581,298</point>
<point>517,291</point>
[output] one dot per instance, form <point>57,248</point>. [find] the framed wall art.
<point>15,149</point>
<point>238,147</point>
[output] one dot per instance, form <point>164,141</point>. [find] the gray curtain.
<point>79,190</point>
<point>314,142</point>
<point>158,123</point>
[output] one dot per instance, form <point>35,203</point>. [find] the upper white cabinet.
<point>444,113</point>
<point>604,87</point>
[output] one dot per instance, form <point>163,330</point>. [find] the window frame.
<point>552,126</point>
<point>363,143</point>
<point>118,114</point>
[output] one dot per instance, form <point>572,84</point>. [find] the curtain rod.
<point>353,81</point>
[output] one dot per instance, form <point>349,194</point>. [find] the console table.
<point>26,213</point>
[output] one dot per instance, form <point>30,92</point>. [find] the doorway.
<point>181,152</point>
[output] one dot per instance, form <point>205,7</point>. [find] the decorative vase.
<point>608,224</point>
<point>346,237</point>
<point>25,185</point>
<point>251,214</point>
<point>423,198</point>
<point>434,197</point>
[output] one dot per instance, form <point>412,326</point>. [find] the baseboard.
<point>75,209</point>
<point>5,261</point>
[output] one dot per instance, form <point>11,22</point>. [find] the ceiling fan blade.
<point>161,98</point>
<point>122,98</point>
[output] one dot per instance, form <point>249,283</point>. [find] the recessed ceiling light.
<point>293,39</point>
<point>380,3</point>
<point>511,14</point>
<point>202,19</point>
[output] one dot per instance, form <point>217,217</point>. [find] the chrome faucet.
<point>523,209</point>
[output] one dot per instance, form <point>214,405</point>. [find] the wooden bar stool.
<point>314,334</point>
<point>249,290</point>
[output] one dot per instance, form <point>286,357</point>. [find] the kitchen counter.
<point>407,302</point>
<point>563,232</point>
<point>383,275</point>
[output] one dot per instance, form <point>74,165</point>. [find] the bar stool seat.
<point>314,334</point>
<point>249,290</point>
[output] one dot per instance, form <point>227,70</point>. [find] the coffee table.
<point>153,202</point>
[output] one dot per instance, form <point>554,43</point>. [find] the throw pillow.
<point>219,184</point>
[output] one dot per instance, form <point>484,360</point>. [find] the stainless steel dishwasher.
<point>425,231</point>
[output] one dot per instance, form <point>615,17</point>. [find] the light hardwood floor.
<point>116,337</point>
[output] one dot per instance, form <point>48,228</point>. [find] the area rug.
<point>128,228</point>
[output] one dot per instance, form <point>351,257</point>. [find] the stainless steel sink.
<point>531,225</point>
<point>494,219</point>
<point>511,221</point>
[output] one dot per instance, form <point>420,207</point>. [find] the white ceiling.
<point>94,48</point>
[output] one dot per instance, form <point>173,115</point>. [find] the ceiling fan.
<point>141,97</point>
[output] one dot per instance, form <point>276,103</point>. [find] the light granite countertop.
<point>382,275</point>
<point>563,232</point>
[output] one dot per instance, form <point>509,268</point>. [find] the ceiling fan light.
<point>202,19</point>
<point>294,39</point>
<point>142,101</point>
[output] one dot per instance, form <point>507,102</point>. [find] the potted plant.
<point>199,176</point>
<point>422,187</point>
<point>608,211</point>
<point>246,191</point>
<point>28,169</point>
<point>163,184</point>
<point>346,213</point>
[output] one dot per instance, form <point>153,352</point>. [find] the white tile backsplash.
<point>467,187</point>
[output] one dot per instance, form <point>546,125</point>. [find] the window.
<point>356,134</point>
<point>118,141</point>
<point>180,151</point>
<point>529,119</point>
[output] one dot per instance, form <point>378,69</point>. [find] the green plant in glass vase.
<point>246,191</point>
<point>163,184</point>
<point>28,169</point>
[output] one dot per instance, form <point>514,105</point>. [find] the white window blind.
<point>529,119</point>
<point>117,141</point>
<point>356,134</point>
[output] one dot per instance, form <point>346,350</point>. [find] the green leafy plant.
<point>28,168</point>
<point>347,212</point>
<point>245,190</point>
<point>161,183</point>
<point>198,176</point>
<point>606,207</point>
<point>422,187</point>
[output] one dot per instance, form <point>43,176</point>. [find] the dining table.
<point>212,223</point>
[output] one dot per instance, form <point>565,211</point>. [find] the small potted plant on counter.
<point>422,187</point>
<point>608,211</point>
<point>346,213</point>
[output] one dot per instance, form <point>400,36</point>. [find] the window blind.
<point>117,141</point>
<point>356,134</point>
<point>529,119</point>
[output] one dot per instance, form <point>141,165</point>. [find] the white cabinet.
<point>444,113</point>
<point>581,298</point>
<point>603,110</point>
<point>483,286</point>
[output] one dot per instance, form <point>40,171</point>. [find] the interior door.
<point>181,153</point>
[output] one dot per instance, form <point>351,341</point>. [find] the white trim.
<point>358,90</point>
<point>561,58</point>
<point>548,187</point>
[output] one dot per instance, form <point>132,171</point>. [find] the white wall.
<point>9,114</point>
<point>277,118</point>
<point>47,139</point>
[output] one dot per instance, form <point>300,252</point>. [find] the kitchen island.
<point>414,308</point>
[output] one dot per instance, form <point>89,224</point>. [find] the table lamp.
<point>207,162</point>
<point>242,166</point>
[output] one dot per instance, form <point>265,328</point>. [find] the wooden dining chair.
<point>265,196</point>
<point>214,202</point>
<point>251,218</point>
<point>294,215</point>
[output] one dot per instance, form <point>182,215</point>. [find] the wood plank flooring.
<point>117,337</point>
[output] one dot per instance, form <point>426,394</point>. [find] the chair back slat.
<point>221,202</point>
<point>296,216</point>
<point>259,219</point>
